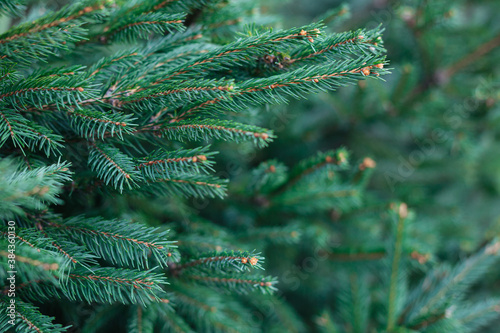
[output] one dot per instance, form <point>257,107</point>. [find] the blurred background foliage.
<point>432,128</point>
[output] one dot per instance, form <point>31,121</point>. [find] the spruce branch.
<point>185,184</point>
<point>94,124</point>
<point>176,93</point>
<point>116,120</point>
<point>30,189</point>
<point>74,254</point>
<point>8,74</point>
<point>109,285</point>
<point>295,84</point>
<point>48,34</point>
<point>268,177</point>
<point>474,316</point>
<point>241,51</point>
<point>470,58</point>
<point>160,164</point>
<point>330,161</point>
<point>445,285</point>
<point>171,321</point>
<point>13,126</point>
<point>114,64</point>
<point>355,44</point>
<point>289,234</point>
<point>44,265</point>
<point>203,129</point>
<point>38,259</point>
<point>396,268</point>
<point>28,319</point>
<point>50,249</point>
<point>28,236</point>
<point>53,87</point>
<point>12,7</point>
<point>141,320</point>
<point>52,20</point>
<point>43,138</point>
<point>168,6</point>
<point>354,302</point>
<point>320,182</point>
<point>113,166</point>
<point>179,56</point>
<point>235,283</point>
<point>224,261</point>
<point>102,285</point>
<point>142,26</point>
<point>119,242</point>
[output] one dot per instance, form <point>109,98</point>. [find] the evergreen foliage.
<point>432,130</point>
<point>111,88</point>
<point>113,115</point>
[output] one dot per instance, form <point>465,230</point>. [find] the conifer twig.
<point>472,57</point>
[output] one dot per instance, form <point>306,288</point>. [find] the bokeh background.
<point>432,127</point>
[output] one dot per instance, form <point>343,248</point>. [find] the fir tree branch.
<point>42,89</point>
<point>113,166</point>
<point>47,89</point>
<point>188,185</point>
<point>396,267</point>
<point>446,285</point>
<point>161,163</point>
<point>475,315</point>
<point>470,58</point>
<point>304,168</point>
<point>29,319</point>
<point>33,262</point>
<point>269,176</point>
<point>109,285</point>
<point>358,43</point>
<point>428,321</point>
<point>11,7</point>
<point>239,285</point>
<point>239,261</point>
<point>204,129</point>
<point>30,189</point>
<point>44,139</point>
<point>6,129</point>
<point>45,36</point>
<point>178,93</point>
<point>356,256</point>
<point>241,50</point>
<point>98,125</point>
<point>110,61</point>
<point>72,258</point>
<point>141,26</point>
<point>295,83</point>
<point>141,321</point>
<point>120,242</point>
<point>289,234</point>
<point>171,321</point>
<point>49,22</point>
